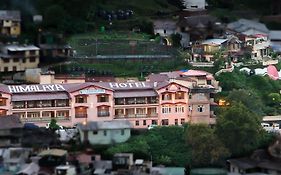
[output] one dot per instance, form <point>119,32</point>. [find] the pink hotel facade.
<point>177,98</point>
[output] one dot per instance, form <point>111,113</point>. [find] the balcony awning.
<point>126,94</point>
<point>40,96</point>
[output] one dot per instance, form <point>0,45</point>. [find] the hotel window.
<point>6,69</point>
<point>62,103</point>
<point>103,111</point>
<point>152,100</point>
<point>140,100</point>
<point>166,109</point>
<point>18,104</point>
<point>154,122</point>
<point>122,132</point>
<point>182,121</point>
<point>119,101</point>
<point>33,114</point>
<point>81,99</point>
<point>119,112</point>
<point>144,122</point>
<point>176,122</point>
<point>190,95</point>
<point>165,122</point>
<point>103,98</point>
<point>179,109</point>
<point>14,68</point>
<point>140,110</point>
<point>137,123</point>
<point>62,113</point>
<point>3,102</point>
<point>104,133</point>
<point>81,112</point>
<point>95,132</point>
<point>179,95</point>
<point>167,96</point>
<point>200,108</point>
<point>46,103</point>
<point>130,101</point>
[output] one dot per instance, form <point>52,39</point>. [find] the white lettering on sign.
<point>36,88</point>
<point>128,85</point>
<point>92,91</point>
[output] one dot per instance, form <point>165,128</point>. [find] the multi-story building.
<point>10,23</point>
<point>260,46</point>
<point>18,57</point>
<point>188,98</point>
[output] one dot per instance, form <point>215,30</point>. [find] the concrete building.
<point>155,102</point>
<point>18,57</point>
<point>10,23</point>
<point>195,4</point>
<point>104,132</point>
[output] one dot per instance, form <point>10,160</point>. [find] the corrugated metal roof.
<point>10,15</point>
<point>40,96</point>
<point>102,125</point>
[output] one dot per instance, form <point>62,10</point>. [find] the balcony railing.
<point>136,116</point>
<point>44,119</point>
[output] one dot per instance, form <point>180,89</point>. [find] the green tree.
<point>207,149</point>
<point>249,98</point>
<point>274,99</point>
<point>239,129</point>
<point>53,125</point>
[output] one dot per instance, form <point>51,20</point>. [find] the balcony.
<point>81,115</point>
<point>136,116</point>
<point>45,119</point>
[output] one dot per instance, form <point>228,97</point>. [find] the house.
<point>164,27</point>
<point>199,27</point>
<point>18,57</point>
<point>261,161</point>
<point>105,132</point>
<point>247,27</point>
<point>10,23</point>
<point>194,4</point>
<point>275,40</point>
<point>10,131</point>
<point>55,51</point>
<point>259,45</point>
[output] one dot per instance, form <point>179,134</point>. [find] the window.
<point>176,122</point>
<point>137,123</point>
<point>14,68</point>
<point>179,95</point>
<point>200,108</point>
<point>3,102</point>
<point>32,59</point>
<point>182,121</point>
<point>165,122</point>
<point>6,60</point>
<point>103,111</point>
<point>81,99</point>
<point>6,69</point>
<point>154,122</point>
<point>190,96</point>
<point>103,98</point>
<point>165,31</point>
<point>95,132</point>
<point>166,109</point>
<point>104,133</point>
<point>122,132</point>
<point>167,96</point>
<point>179,109</point>
<point>144,122</point>
<point>16,60</point>
<point>190,108</point>
<point>201,96</point>
<point>23,60</point>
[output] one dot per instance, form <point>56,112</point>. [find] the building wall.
<point>91,106</point>
<point>194,4</point>
<point>19,63</point>
<point>103,137</point>
<point>10,27</point>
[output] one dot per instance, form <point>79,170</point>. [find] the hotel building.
<point>186,97</point>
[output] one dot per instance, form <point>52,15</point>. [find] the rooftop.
<point>101,125</point>
<point>10,15</point>
<point>10,122</point>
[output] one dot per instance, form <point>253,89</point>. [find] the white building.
<point>194,4</point>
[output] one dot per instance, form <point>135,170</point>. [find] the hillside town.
<point>158,87</point>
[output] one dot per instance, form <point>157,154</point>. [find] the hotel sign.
<point>128,85</point>
<point>36,88</point>
<point>92,91</point>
